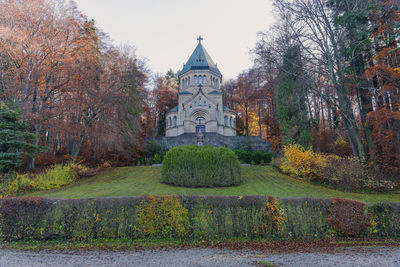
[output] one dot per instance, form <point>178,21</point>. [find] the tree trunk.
<point>77,145</point>
<point>350,124</point>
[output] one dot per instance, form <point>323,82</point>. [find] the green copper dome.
<point>200,60</point>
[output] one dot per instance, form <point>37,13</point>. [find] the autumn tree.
<point>165,97</point>
<point>247,92</point>
<point>316,30</point>
<point>75,87</point>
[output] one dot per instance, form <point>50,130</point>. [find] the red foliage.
<point>325,140</point>
<point>347,217</point>
<point>385,148</point>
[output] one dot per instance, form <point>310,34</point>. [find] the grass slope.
<point>257,180</point>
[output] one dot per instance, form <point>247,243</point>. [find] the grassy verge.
<point>257,180</point>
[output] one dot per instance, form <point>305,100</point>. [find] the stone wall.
<point>214,139</point>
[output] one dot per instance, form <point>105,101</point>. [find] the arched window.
<point>170,122</point>
<point>216,83</point>
<point>200,121</point>
<point>188,80</point>
<point>230,122</point>
<point>195,79</point>
<point>200,79</point>
<point>174,121</point>
<point>226,120</point>
<point>205,79</point>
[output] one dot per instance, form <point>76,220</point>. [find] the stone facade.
<point>215,139</point>
<point>200,107</point>
<point>200,117</point>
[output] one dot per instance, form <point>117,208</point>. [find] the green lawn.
<point>257,180</point>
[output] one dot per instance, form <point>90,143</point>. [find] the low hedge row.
<point>194,218</point>
<point>254,157</point>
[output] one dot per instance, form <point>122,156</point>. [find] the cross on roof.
<point>200,39</point>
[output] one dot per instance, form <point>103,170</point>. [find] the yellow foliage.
<point>163,216</point>
<point>302,162</point>
<point>340,141</point>
<point>55,177</point>
<point>273,216</point>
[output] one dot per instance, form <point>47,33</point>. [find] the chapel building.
<point>200,108</point>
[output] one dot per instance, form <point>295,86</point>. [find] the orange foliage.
<point>386,139</point>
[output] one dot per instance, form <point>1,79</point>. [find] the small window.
<point>216,83</point>
<point>230,122</point>
<point>226,120</point>
<point>174,121</point>
<point>170,122</point>
<point>205,79</point>
<point>200,79</point>
<point>195,79</point>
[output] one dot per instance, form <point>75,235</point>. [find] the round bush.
<point>204,166</point>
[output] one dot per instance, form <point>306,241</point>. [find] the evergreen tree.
<point>291,100</point>
<point>15,140</point>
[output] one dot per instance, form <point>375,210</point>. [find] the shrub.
<point>163,217</point>
<point>348,218</point>
<point>154,153</point>
<point>201,167</point>
<point>258,157</point>
<point>353,174</point>
<point>157,159</point>
<point>273,217</point>
<point>55,177</point>
<point>301,162</point>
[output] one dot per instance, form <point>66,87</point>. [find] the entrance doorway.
<point>200,127</point>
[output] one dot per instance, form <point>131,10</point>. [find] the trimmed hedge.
<point>191,218</point>
<point>194,218</point>
<point>254,157</point>
<point>201,166</point>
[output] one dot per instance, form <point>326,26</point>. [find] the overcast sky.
<point>165,31</point>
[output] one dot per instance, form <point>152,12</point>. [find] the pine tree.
<point>291,100</point>
<point>15,139</point>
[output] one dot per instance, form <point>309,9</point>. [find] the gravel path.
<point>382,257</point>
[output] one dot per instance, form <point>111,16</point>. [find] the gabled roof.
<point>199,92</point>
<point>200,60</point>
<point>215,92</point>
<point>173,109</point>
<point>227,109</point>
<point>185,93</point>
